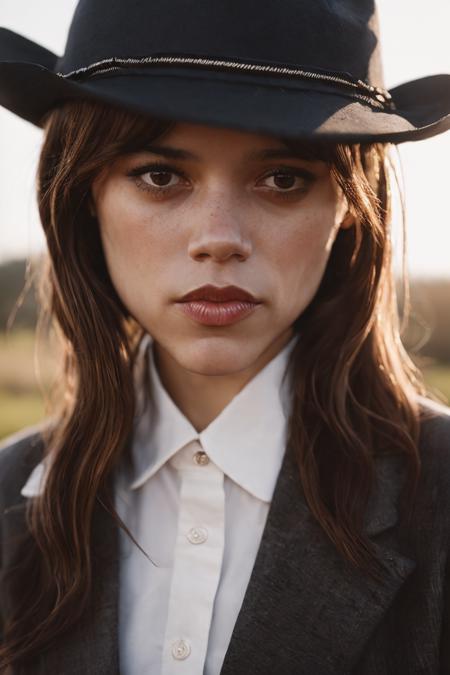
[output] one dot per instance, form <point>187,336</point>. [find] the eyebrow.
<point>255,156</point>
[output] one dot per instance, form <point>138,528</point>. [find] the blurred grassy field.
<point>22,404</point>
<point>21,400</point>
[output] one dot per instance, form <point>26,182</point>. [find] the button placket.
<point>197,562</point>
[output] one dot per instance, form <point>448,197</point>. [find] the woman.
<point>243,474</point>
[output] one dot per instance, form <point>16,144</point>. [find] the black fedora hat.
<point>300,68</point>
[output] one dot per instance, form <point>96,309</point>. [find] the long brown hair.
<point>354,389</point>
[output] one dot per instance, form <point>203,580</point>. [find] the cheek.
<point>134,249</point>
<point>301,253</point>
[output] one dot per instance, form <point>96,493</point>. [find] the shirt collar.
<point>36,480</point>
<point>249,432</point>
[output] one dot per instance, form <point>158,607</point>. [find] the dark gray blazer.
<point>306,611</point>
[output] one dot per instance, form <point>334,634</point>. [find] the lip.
<point>217,313</point>
<point>219,294</point>
<point>214,306</point>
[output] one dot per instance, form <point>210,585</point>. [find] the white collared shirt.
<point>197,504</point>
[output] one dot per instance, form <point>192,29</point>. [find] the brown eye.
<point>284,181</point>
<point>288,180</point>
<point>159,178</point>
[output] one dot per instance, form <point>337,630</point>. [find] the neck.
<point>201,398</point>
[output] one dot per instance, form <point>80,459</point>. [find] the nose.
<point>218,232</point>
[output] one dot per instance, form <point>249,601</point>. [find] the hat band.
<point>375,96</point>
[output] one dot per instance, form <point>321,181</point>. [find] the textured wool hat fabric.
<point>298,68</point>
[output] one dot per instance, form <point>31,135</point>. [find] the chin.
<point>216,356</point>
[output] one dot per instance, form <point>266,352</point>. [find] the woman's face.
<point>218,207</point>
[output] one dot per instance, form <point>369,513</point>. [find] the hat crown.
<point>269,32</point>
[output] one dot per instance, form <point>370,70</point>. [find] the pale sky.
<point>415,44</point>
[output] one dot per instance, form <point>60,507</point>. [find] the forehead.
<point>197,141</point>
<point>203,134</point>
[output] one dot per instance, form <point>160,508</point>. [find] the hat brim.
<point>267,105</point>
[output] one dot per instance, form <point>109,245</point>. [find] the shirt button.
<point>197,535</point>
<point>201,458</point>
<point>181,649</point>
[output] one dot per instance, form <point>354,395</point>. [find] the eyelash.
<point>161,167</point>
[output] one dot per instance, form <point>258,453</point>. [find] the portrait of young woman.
<point>243,473</point>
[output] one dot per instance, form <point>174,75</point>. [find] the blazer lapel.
<point>92,645</point>
<point>305,609</point>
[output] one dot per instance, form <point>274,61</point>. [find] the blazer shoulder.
<point>434,442</point>
<point>435,423</point>
<point>19,454</point>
